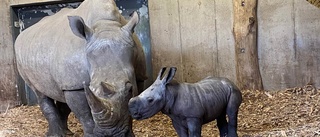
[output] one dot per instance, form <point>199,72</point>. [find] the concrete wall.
<point>193,35</point>
<point>196,36</point>
<point>289,43</point>
<point>8,76</point>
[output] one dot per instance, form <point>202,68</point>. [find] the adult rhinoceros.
<point>92,44</point>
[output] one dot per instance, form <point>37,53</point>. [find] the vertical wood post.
<point>245,34</point>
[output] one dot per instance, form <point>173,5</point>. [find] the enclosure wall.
<point>193,35</point>
<point>197,37</point>
<point>289,43</point>
<point>8,75</point>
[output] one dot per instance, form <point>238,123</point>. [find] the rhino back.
<point>50,57</point>
<point>207,99</point>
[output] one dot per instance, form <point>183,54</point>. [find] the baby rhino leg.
<point>194,127</point>
<point>232,112</point>
<point>181,130</point>
<point>222,125</point>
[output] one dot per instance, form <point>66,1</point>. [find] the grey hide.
<point>85,60</point>
<point>190,105</point>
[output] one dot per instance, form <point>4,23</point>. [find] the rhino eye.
<point>150,100</point>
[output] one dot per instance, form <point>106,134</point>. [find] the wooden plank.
<point>315,2</point>
<point>198,39</point>
<point>245,34</point>
<point>165,36</point>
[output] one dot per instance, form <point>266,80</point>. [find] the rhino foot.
<point>59,133</point>
<point>68,132</point>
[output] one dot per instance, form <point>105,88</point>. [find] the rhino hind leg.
<point>64,112</point>
<point>78,104</point>
<point>51,113</point>
<point>232,112</point>
<point>232,124</point>
<point>222,125</point>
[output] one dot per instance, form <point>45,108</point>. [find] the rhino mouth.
<point>113,132</point>
<point>121,128</point>
<point>140,114</point>
<point>136,116</point>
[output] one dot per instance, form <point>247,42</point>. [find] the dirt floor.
<point>293,112</point>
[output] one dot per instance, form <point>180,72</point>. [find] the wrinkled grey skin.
<point>190,105</point>
<point>85,60</point>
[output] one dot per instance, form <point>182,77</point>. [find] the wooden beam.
<point>245,34</point>
<point>315,2</point>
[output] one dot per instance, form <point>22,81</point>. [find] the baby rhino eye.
<point>150,99</point>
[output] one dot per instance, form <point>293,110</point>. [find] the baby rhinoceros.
<point>190,105</point>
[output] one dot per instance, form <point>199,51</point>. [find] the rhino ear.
<point>132,23</point>
<point>79,28</point>
<point>170,75</point>
<point>161,72</point>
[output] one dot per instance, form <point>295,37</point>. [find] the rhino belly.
<point>43,84</point>
<point>53,60</point>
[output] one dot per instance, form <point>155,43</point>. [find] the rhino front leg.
<point>77,102</point>
<point>194,127</point>
<point>182,131</point>
<point>64,112</point>
<point>51,113</point>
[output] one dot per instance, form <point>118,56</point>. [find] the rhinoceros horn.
<point>93,100</point>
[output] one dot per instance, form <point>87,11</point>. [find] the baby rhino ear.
<point>167,79</point>
<point>161,72</point>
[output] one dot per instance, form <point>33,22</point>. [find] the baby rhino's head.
<point>153,99</point>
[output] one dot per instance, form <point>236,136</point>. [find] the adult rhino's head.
<point>153,99</point>
<point>109,52</point>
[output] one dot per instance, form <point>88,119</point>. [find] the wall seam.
<point>217,47</point>
<point>181,56</point>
